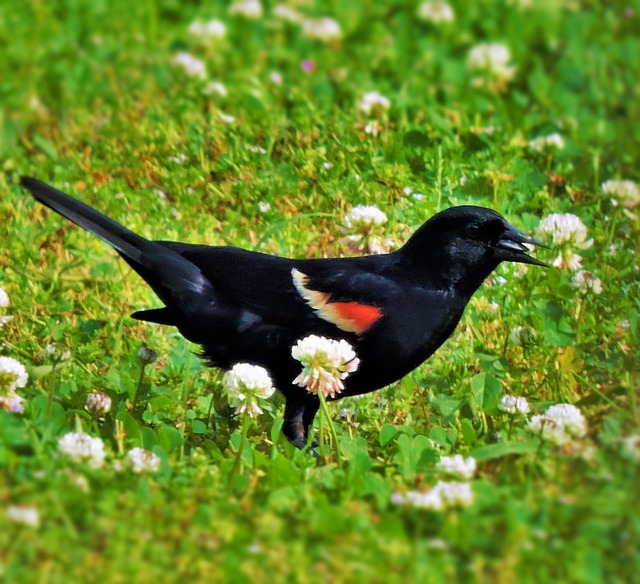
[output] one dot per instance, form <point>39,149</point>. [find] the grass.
<point>92,102</point>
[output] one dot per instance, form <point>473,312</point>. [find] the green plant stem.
<point>512,418</point>
<point>325,414</point>
<point>246,423</point>
<point>136,395</point>
<point>579,311</point>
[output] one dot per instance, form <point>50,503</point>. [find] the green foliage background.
<point>92,102</point>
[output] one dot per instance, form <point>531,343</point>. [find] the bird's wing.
<point>353,296</point>
<point>348,293</point>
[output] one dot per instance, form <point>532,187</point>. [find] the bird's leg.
<point>298,416</point>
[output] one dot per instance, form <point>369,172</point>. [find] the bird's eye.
<point>473,230</point>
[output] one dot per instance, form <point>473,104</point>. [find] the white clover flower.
<point>326,364</point>
<point>514,404</point>
<point>491,59</point>
<point>586,281</point>
<point>444,495</point>
<point>565,230</point>
<point>24,515</point>
<point>321,29</point>
<point>522,336</point>
<point>559,424</point>
<point>374,102</point>
<point>458,466</point>
<point>248,8</point>
<point>367,221</point>
<point>545,143</point>
<point>276,77</point>
<point>626,192</point>
<point>436,12</point>
<point>377,245</point>
<point>143,461</point>
<point>4,298</point>
<point>373,128</point>
<point>287,14</point>
<point>192,66</point>
<point>210,29</point>
<point>215,87</point>
<point>12,402</point>
<point>245,385</point>
<point>364,217</point>
<point>79,481</point>
<point>179,159</point>
<point>264,206</point>
<point>54,351</point>
<point>432,499</point>
<point>226,118</point>
<point>97,403</point>
<point>82,448</point>
<point>12,375</point>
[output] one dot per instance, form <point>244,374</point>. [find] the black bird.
<point>395,309</point>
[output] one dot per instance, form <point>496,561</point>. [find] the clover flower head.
<point>373,128</point>
<point>559,425</point>
<point>143,461</point>
<point>251,9</point>
<point>146,355</point>
<point>192,66</point>
<point>546,143</point>
<point>288,14</point>
<point>24,515</point>
<point>82,448</point>
<point>522,336</point>
<point>374,102</point>
<point>626,192</point>
<point>436,12</point>
<point>444,495</point>
<point>12,375</point>
<point>179,159</point>
<point>364,217</point>
<point>215,87</point>
<point>492,60</point>
<point>4,298</point>
<point>98,403</point>
<point>210,29</point>
<point>564,228</point>
<point>321,29</point>
<point>514,404</point>
<point>586,281</point>
<point>12,402</point>
<point>567,231</point>
<point>458,466</point>
<point>326,363</point>
<point>276,77</point>
<point>246,384</point>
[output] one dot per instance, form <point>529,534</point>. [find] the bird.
<point>241,306</point>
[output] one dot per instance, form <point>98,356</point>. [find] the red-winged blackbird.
<point>395,309</point>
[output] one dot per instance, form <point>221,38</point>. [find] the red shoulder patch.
<point>352,317</point>
<point>361,317</point>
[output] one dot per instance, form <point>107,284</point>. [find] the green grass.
<point>92,103</point>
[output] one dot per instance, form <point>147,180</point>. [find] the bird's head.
<point>470,242</point>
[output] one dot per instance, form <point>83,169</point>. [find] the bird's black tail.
<point>128,243</point>
<point>178,282</point>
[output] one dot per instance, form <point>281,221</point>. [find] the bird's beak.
<point>512,245</point>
